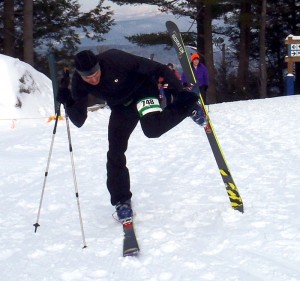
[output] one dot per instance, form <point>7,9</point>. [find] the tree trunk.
<point>9,28</point>
<point>209,55</point>
<point>28,31</point>
<point>200,29</point>
<point>262,51</point>
<point>244,48</point>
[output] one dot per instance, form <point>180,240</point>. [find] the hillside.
<point>186,228</point>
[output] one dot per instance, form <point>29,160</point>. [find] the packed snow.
<point>184,223</point>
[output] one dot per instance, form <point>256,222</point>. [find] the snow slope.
<point>185,226</point>
<point>24,91</point>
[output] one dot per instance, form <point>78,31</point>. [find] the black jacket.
<point>122,75</point>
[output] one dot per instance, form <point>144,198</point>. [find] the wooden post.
<point>293,56</point>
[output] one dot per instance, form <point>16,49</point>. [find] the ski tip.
<point>169,23</point>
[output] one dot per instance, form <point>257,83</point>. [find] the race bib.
<point>148,105</point>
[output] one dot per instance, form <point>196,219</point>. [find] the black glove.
<point>185,102</point>
<point>65,81</point>
<point>188,86</point>
<point>64,96</point>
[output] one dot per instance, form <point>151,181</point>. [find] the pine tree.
<point>28,31</point>
<point>8,45</point>
<point>57,26</point>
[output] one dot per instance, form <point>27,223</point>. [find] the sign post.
<point>293,56</point>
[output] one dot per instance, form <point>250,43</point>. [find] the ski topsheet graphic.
<point>231,188</point>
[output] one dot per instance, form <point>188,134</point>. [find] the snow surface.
<point>185,226</point>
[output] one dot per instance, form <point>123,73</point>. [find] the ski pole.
<point>75,181</point>
<point>65,81</point>
<point>36,225</point>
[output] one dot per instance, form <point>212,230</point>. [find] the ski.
<point>130,244</point>
<point>231,188</point>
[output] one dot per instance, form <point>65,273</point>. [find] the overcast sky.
<point>128,20</point>
<point>122,12</point>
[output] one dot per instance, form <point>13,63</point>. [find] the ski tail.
<point>231,188</point>
<point>130,244</point>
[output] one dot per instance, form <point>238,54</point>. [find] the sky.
<point>184,223</point>
<point>131,20</point>
<point>122,12</point>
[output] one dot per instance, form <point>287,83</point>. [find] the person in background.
<point>171,66</point>
<point>201,75</point>
<point>166,92</point>
<point>128,84</point>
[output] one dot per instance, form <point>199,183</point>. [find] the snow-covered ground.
<point>185,226</point>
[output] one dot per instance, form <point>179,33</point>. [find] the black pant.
<point>123,120</point>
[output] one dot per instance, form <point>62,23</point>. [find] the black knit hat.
<point>86,63</point>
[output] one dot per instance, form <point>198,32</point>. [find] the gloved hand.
<point>188,86</point>
<point>185,102</point>
<point>64,95</point>
<point>65,81</point>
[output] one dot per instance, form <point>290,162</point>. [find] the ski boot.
<point>199,116</point>
<point>124,211</point>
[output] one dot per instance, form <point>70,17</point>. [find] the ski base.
<point>130,244</point>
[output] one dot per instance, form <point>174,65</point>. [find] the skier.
<point>128,84</point>
<point>201,75</point>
